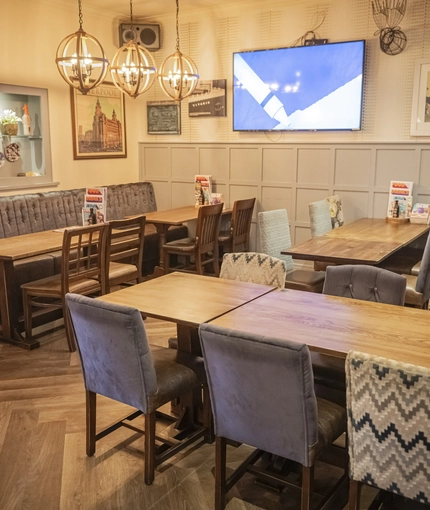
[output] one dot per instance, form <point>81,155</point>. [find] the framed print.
<point>98,120</point>
<point>420,119</point>
<point>208,99</point>
<point>164,117</point>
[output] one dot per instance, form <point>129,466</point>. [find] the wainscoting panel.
<point>288,176</point>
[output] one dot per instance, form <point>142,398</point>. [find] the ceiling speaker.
<point>147,36</point>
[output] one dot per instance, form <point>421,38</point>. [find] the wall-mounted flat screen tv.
<point>308,88</point>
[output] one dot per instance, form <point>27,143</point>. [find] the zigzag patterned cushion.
<point>253,267</point>
<point>388,404</point>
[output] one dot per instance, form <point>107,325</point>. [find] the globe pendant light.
<point>81,60</point>
<point>133,69</point>
<point>178,76</point>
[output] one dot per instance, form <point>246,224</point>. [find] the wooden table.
<point>365,241</point>
<point>334,325</point>
<point>13,249</point>
<point>163,220</point>
<point>187,300</point>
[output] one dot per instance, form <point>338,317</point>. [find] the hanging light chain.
<point>131,14</point>
<point>177,25</point>
<point>81,19</point>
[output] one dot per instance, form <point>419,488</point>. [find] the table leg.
<point>8,308</point>
<point>161,229</point>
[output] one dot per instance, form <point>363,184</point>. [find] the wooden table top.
<point>187,299</point>
<point>365,241</point>
<point>335,325</point>
<point>29,245</point>
<point>176,216</point>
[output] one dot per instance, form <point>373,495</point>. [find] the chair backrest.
<point>113,346</point>
<point>261,390</point>
<point>241,218</point>
<point>207,228</point>
<point>423,279</point>
<point>274,232</point>
<point>367,283</point>
<point>320,219</point>
<point>254,268</point>
<point>84,256</point>
<point>125,240</point>
<point>336,213</point>
<point>388,408</point>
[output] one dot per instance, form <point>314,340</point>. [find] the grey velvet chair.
<point>262,395</point>
<point>274,232</point>
<point>388,404</point>
<point>253,267</point>
<point>418,287</point>
<point>118,363</point>
<point>367,283</point>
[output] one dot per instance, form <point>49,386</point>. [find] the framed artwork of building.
<point>98,120</point>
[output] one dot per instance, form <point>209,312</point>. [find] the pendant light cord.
<point>177,25</point>
<point>81,19</point>
<point>131,14</point>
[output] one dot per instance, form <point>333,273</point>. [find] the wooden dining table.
<point>365,241</point>
<point>164,219</point>
<point>334,325</point>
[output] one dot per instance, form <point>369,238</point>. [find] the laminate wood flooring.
<point>43,465</point>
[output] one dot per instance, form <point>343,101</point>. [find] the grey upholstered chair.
<point>118,363</point>
<point>274,232</point>
<point>262,394</point>
<point>388,404</point>
<point>418,287</point>
<point>253,267</point>
<point>367,283</point>
<point>320,219</point>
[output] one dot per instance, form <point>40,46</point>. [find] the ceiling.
<point>149,8</point>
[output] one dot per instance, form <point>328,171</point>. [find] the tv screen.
<point>299,88</point>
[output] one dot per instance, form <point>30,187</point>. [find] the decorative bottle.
<point>26,121</point>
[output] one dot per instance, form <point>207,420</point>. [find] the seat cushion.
<point>186,245</point>
<point>412,297</point>
<point>310,281</point>
<point>177,373</point>
<point>51,286</point>
<point>123,272</point>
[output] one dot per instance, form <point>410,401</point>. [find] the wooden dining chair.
<point>201,250</point>
<point>83,271</point>
<point>118,363</point>
<point>388,405</point>
<point>124,251</point>
<point>274,232</point>
<point>262,394</point>
<point>236,239</point>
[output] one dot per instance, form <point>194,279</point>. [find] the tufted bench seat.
<point>37,212</point>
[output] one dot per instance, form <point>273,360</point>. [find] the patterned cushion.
<point>336,213</point>
<point>388,404</point>
<point>274,230</point>
<point>253,267</point>
<point>320,218</point>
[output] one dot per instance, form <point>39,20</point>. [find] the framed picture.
<point>164,117</point>
<point>209,99</point>
<point>420,119</point>
<point>98,120</point>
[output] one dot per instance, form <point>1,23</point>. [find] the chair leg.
<point>166,260</point>
<point>149,448</point>
<point>68,326</point>
<point>220,472</point>
<point>200,268</point>
<point>216,265</point>
<point>208,421</point>
<point>27,314</point>
<point>90,398</point>
<point>354,495</point>
<point>307,482</point>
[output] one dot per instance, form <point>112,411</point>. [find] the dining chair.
<point>366,283</point>
<point>274,233</point>
<point>236,239</point>
<point>254,268</point>
<point>203,248</point>
<point>336,211</point>
<point>418,286</point>
<point>124,251</point>
<point>320,219</point>
<point>388,405</point>
<point>83,271</point>
<point>275,411</point>
<point>118,363</point>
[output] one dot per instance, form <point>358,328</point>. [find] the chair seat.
<point>51,286</point>
<point>224,237</point>
<point>310,281</point>
<point>185,245</point>
<point>404,261</point>
<point>118,270</point>
<point>416,269</point>
<point>331,424</point>
<point>412,297</point>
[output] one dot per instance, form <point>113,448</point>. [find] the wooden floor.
<point>43,465</point>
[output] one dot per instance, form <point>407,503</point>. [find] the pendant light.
<point>133,69</point>
<point>178,76</point>
<point>81,60</point>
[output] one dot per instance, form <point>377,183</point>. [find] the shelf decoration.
<point>9,123</point>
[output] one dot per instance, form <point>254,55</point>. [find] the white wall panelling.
<point>288,175</point>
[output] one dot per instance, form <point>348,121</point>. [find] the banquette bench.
<point>36,212</point>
